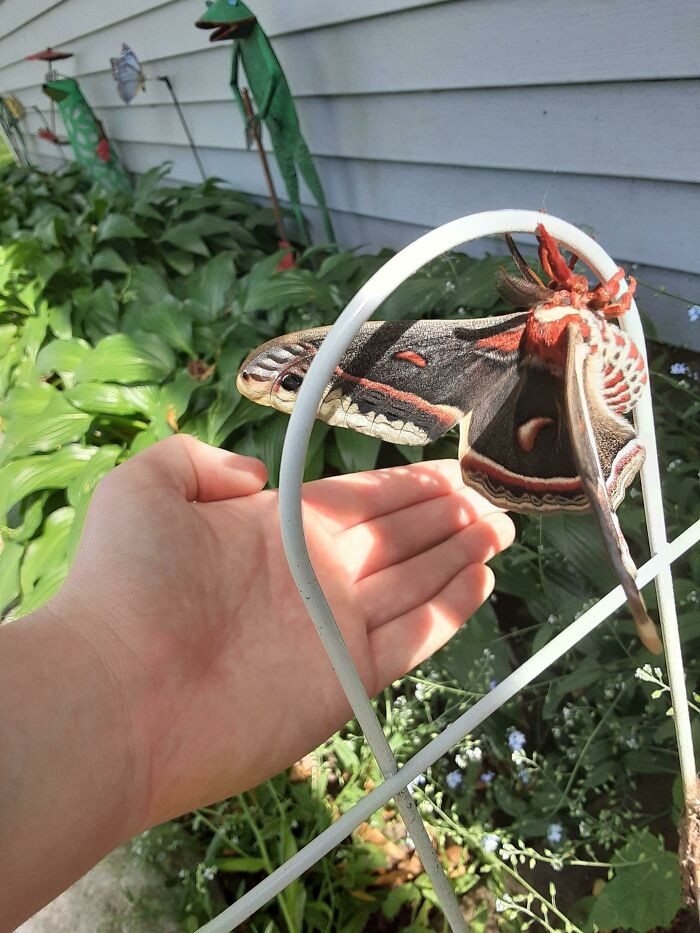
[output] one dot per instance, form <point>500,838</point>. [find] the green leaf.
<point>398,898</point>
<point>28,522</point>
<point>81,488</point>
<point>288,289</point>
<point>170,319</point>
<point>48,550</point>
<point>109,260</point>
<point>27,400</point>
<point>210,285</point>
<point>241,864</point>
<point>357,451</point>
<point>411,300</point>
<point>181,262</point>
<point>148,285</point>
<point>188,234</point>
<point>268,439</point>
<point>20,478</point>
<point>109,398</point>
<point>127,359</point>
<point>646,890</point>
<point>49,584</point>
<point>61,356</point>
<point>118,227</point>
<point>10,558</point>
<point>58,425</point>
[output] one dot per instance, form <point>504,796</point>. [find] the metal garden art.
<point>91,148</point>
<point>128,72</point>
<point>232,19</point>
<point>11,113</point>
<point>47,131</point>
<point>559,372</point>
<point>539,395</point>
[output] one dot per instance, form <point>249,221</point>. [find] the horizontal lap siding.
<point>418,112</point>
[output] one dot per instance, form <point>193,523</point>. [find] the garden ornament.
<point>128,72</point>
<point>50,55</point>
<point>232,19</point>
<point>11,112</point>
<point>91,148</point>
<point>539,395</point>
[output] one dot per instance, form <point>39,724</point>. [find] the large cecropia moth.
<point>539,395</point>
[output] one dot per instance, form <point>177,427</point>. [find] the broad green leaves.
<point>21,477</point>
<point>119,227</point>
<point>127,359</point>
<point>645,891</point>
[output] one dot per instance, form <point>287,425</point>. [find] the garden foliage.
<point>123,319</point>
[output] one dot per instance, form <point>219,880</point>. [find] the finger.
<point>199,472</point>
<point>390,539</point>
<point>407,640</point>
<point>403,587</point>
<point>344,501</point>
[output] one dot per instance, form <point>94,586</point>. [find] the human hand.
<point>223,676</point>
<point>178,665</point>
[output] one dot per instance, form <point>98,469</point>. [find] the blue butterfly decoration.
<point>128,74</point>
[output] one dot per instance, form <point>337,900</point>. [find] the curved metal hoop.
<point>358,311</point>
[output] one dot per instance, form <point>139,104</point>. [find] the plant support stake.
<point>358,311</point>
<point>195,154</point>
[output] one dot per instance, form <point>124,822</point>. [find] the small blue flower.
<point>679,369</point>
<point>493,684</point>
<point>516,740</point>
<point>555,833</point>
<point>694,313</point>
<point>490,842</point>
<point>454,779</point>
<point>487,777</point>
<point>524,775</point>
<point>417,782</point>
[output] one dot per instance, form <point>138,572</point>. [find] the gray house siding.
<point>420,112</point>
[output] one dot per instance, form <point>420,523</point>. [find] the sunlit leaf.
<point>20,478</point>
<point>127,359</point>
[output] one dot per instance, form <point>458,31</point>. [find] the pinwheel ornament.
<point>130,78</point>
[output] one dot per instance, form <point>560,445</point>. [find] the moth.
<point>540,395</point>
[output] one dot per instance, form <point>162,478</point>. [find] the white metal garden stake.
<point>358,311</point>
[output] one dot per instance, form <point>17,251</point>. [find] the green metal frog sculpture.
<point>232,19</point>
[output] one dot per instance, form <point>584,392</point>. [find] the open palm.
<point>222,676</point>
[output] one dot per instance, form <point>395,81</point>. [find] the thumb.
<point>201,473</point>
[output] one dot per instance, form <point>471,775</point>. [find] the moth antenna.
<point>521,262</point>
<point>521,292</point>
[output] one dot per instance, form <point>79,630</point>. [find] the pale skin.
<point>177,665</point>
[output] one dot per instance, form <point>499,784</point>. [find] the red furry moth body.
<point>539,395</point>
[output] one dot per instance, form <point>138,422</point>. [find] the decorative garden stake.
<point>50,55</point>
<point>539,396</point>
<point>287,261</point>
<point>11,112</point>
<point>130,77</point>
<point>232,19</point>
<point>45,132</point>
<point>86,134</point>
<point>322,373</point>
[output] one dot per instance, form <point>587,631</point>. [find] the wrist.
<point>67,748</point>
